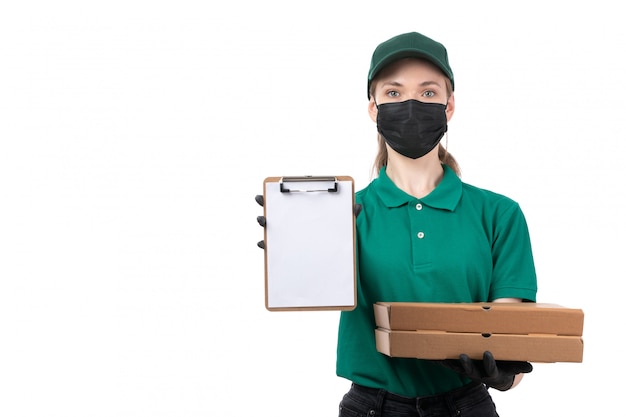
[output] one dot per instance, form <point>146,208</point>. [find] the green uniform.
<point>458,244</point>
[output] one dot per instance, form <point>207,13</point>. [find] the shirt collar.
<point>445,196</point>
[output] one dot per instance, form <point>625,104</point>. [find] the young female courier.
<point>423,235</point>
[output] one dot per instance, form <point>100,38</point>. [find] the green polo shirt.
<point>460,243</point>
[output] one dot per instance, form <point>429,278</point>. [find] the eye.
<point>393,93</point>
<point>429,94</point>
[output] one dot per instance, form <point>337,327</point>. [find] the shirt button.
<point>420,235</point>
<point>418,206</point>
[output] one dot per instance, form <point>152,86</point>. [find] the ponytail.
<point>446,158</point>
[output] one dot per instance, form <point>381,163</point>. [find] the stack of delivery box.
<point>532,332</point>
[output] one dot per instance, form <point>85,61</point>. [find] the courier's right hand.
<point>260,220</point>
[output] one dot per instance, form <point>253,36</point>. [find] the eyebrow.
<point>423,84</point>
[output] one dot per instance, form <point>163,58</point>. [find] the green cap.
<point>409,45</point>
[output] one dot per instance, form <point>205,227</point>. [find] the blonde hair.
<point>445,157</point>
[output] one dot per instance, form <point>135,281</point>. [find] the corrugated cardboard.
<point>429,344</point>
<point>511,331</point>
<point>516,318</point>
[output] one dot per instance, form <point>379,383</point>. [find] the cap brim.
<point>406,53</point>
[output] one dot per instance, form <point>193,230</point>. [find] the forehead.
<point>411,67</point>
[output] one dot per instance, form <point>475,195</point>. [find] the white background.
<point>135,135</point>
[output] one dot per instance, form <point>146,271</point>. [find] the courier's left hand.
<point>496,374</point>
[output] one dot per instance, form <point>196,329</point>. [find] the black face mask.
<point>412,128</point>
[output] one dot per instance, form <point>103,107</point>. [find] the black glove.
<point>261,219</point>
<point>498,375</point>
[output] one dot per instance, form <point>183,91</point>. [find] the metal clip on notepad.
<point>309,180</point>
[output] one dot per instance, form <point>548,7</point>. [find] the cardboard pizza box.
<point>511,331</point>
